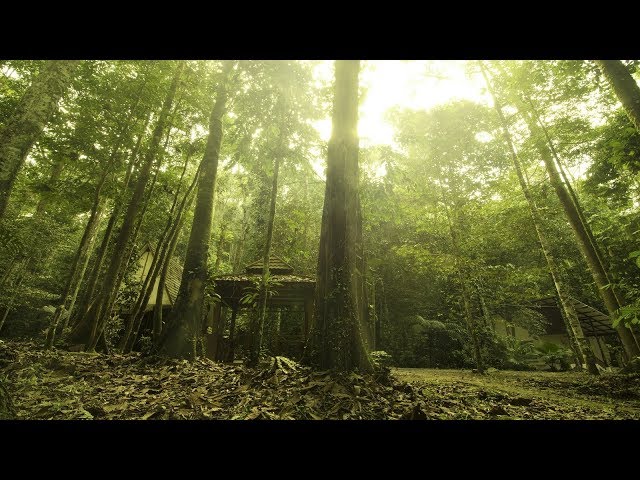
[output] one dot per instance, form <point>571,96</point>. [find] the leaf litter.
<point>65,385</point>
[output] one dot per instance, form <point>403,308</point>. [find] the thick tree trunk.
<point>625,88</point>
<point>184,321</point>
<point>579,343</point>
<point>338,336</point>
<point>110,285</point>
<point>24,127</point>
<point>600,276</point>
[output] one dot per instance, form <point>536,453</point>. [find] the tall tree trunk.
<point>466,297</point>
<point>54,177</point>
<point>78,283</point>
<point>600,276</point>
<point>110,284</point>
<point>337,339</point>
<point>63,309</point>
<point>92,282</point>
<point>159,255</point>
<point>12,300</point>
<point>257,333</point>
<point>24,127</point>
<point>565,178</point>
<point>219,249</point>
<point>187,201</point>
<point>184,321</point>
<point>575,333</point>
<point>625,88</point>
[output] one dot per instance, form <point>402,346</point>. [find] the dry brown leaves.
<point>67,385</point>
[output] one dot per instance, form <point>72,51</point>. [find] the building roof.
<point>276,265</point>
<point>593,321</point>
<point>174,277</point>
<point>288,289</point>
<point>174,274</point>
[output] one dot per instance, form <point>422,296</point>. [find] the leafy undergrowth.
<point>67,385</point>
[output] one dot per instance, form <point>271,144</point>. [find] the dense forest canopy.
<point>429,200</point>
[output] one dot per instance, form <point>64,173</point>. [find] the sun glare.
<point>418,84</point>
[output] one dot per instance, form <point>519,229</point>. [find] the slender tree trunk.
<point>584,243</point>
<point>76,267</point>
<point>184,320</point>
<point>259,327</point>
<point>219,250</point>
<point>54,177</point>
<point>158,259</point>
<point>625,88</point>
<point>187,201</point>
<point>78,283</point>
<point>485,312</point>
<point>24,127</point>
<point>12,299</point>
<point>580,345</point>
<point>565,178</point>
<point>466,297</point>
<point>257,334</point>
<point>338,339</point>
<point>574,196</point>
<point>92,282</point>
<point>110,284</point>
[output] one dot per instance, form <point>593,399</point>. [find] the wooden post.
<point>308,314</point>
<point>212,338</point>
<point>604,355</point>
<point>232,331</point>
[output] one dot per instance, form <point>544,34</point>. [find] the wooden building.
<point>596,327</point>
<point>291,291</point>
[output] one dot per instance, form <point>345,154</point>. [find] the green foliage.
<point>448,160</point>
<point>556,356</point>
<point>382,361</point>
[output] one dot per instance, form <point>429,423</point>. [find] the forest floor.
<point>69,385</point>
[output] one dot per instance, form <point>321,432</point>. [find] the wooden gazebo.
<point>291,290</point>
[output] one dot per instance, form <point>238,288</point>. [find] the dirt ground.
<point>553,395</point>
<point>63,385</point>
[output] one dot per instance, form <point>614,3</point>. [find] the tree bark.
<point>258,329</point>
<point>174,235</point>
<point>158,260</point>
<point>625,88</point>
<point>92,282</point>
<point>110,284</point>
<point>24,127</point>
<point>600,276</point>
<point>184,320</point>
<point>75,275</point>
<point>579,343</point>
<point>338,337</point>
<point>466,297</point>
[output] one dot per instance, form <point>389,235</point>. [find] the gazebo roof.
<point>594,322</point>
<point>276,265</point>
<point>289,288</point>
